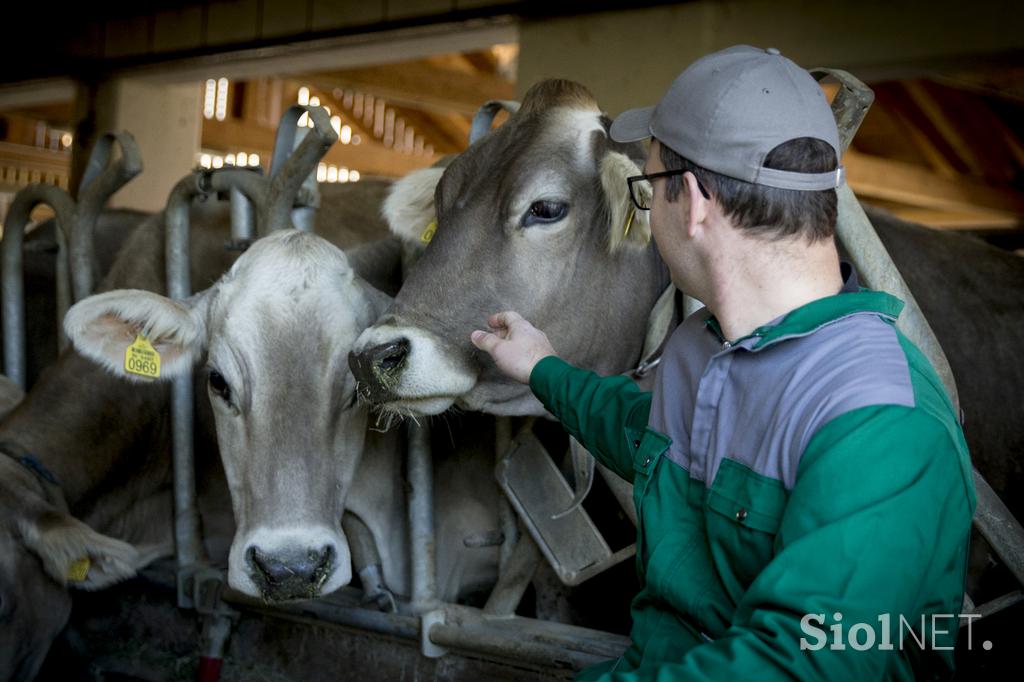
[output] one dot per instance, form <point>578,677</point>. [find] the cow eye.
<point>219,386</point>
<point>543,212</point>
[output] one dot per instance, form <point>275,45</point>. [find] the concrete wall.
<point>165,120</point>
<point>629,58</point>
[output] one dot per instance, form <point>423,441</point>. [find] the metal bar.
<point>64,293</point>
<point>100,181</point>
<point>243,219</point>
<point>288,177</point>
<point>525,639</point>
<point>13,285</point>
<point>854,230</point>
<point>421,518</point>
<point>506,515</point>
<point>850,104</point>
<point>994,606</point>
<point>339,608</point>
<point>187,539</point>
<point>999,527</point>
<point>877,270</point>
<point>484,117</point>
<point>514,579</point>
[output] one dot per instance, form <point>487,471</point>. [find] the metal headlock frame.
<point>75,225</point>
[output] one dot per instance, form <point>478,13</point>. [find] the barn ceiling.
<point>944,152</point>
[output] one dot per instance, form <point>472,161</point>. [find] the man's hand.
<point>515,344</point>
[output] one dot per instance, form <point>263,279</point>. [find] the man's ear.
<point>75,555</point>
<point>102,328</point>
<point>698,205</point>
<point>409,206</point>
<point>628,225</point>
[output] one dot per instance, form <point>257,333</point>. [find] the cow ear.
<point>74,554</point>
<point>103,327</point>
<point>409,206</point>
<point>630,227</point>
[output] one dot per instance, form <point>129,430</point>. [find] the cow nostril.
<point>391,361</point>
<point>292,573</point>
<point>391,356</point>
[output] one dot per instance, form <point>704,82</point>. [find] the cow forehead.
<point>288,296</point>
<point>551,150</point>
<point>576,128</point>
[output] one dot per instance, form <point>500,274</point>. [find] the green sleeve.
<point>593,409</point>
<point>877,523</point>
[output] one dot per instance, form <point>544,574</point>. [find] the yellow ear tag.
<point>629,223</point>
<point>428,233</point>
<point>142,359</point>
<point>78,571</point>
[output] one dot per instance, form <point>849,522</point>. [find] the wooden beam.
<point>419,85</point>
<point>444,132</point>
<point>369,158</point>
<point>936,113</point>
<point>959,220</point>
<point>448,133</point>
<point>871,176</point>
<point>910,131</point>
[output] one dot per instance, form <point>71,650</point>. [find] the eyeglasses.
<point>641,193</point>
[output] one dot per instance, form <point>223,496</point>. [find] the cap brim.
<point>632,125</point>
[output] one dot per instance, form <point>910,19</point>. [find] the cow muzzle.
<point>279,564</point>
<point>410,370</point>
<point>297,574</point>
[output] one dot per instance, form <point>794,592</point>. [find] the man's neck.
<point>763,280</point>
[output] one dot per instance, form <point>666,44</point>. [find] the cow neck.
<point>86,427</point>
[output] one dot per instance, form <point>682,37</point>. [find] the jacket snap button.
<point>741,514</point>
<point>647,461</point>
<point>636,443</point>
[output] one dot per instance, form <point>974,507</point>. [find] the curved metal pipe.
<point>13,285</point>
<point>868,255</point>
<point>100,181</point>
<point>288,177</point>
<point>484,117</point>
<point>187,539</point>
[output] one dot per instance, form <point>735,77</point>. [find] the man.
<point>803,487</point>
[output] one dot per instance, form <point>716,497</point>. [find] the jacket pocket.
<point>743,512</point>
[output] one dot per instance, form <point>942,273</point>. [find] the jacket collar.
<point>808,318</point>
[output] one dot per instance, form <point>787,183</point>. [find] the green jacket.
<point>812,468</point>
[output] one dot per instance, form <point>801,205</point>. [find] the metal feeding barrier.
<point>75,224</point>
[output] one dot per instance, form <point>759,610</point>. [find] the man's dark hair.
<point>768,211</point>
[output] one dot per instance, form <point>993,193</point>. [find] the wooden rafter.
<point>369,157</point>
<point>420,85</point>
<point>914,186</point>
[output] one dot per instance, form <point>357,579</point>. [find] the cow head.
<point>44,550</point>
<point>276,331</point>
<point>535,217</point>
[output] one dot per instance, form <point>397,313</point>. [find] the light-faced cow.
<point>276,331</point>
<point>105,443</point>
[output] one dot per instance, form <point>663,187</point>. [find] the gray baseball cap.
<point>727,110</point>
